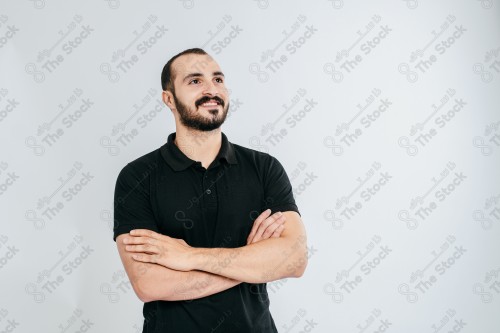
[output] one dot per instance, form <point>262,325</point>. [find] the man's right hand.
<point>266,226</point>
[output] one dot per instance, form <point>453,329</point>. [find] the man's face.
<point>200,94</point>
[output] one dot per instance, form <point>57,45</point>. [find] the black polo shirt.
<point>169,193</point>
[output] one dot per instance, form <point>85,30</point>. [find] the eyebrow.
<point>191,75</point>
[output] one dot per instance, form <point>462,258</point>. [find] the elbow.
<point>300,270</point>
<point>302,262</point>
<point>144,297</point>
<point>147,292</point>
<point>298,267</point>
<point>143,291</point>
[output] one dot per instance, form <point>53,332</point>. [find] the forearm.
<point>159,283</point>
<point>153,282</point>
<point>261,262</point>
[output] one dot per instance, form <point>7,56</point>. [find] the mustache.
<point>205,99</point>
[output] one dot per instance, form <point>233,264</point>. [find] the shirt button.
<point>208,191</point>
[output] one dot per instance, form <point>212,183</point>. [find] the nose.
<point>210,88</point>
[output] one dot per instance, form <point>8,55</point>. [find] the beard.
<point>190,118</point>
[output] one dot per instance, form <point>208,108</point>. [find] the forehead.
<point>194,63</point>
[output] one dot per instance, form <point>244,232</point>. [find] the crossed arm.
<point>164,268</point>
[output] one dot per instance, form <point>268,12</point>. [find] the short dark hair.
<point>167,79</point>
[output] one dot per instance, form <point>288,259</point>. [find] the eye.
<point>219,79</point>
<point>194,81</point>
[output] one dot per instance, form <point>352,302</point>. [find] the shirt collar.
<point>178,161</point>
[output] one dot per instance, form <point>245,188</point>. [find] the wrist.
<point>195,258</point>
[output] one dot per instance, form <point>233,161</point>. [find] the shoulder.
<point>255,156</point>
<point>264,164</point>
<point>141,167</point>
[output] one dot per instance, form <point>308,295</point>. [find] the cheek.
<point>224,94</point>
<point>188,98</point>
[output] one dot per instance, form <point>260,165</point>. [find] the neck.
<point>199,145</point>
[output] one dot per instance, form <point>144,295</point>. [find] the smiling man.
<point>201,224</point>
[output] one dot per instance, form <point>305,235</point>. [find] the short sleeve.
<point>278,190</point>
<point>132,204</point>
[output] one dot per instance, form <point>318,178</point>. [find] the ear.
<point>168,99</point>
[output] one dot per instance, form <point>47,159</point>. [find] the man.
<point>202,224</point>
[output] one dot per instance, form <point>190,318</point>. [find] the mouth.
<point>208,102</point>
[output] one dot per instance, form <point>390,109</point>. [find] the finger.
<point>263,233</point>
<point>139,240</point>
<point>272,227</point>
<point>143,248</point>
<point>276,217</point>
<point>264,215</point>
<point>273,231</point>
<point>257,223</point>
<point>144,258</point>
<point>146,233</point>
<point>278,231</point>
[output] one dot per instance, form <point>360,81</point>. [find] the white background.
<point>406,105</point>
